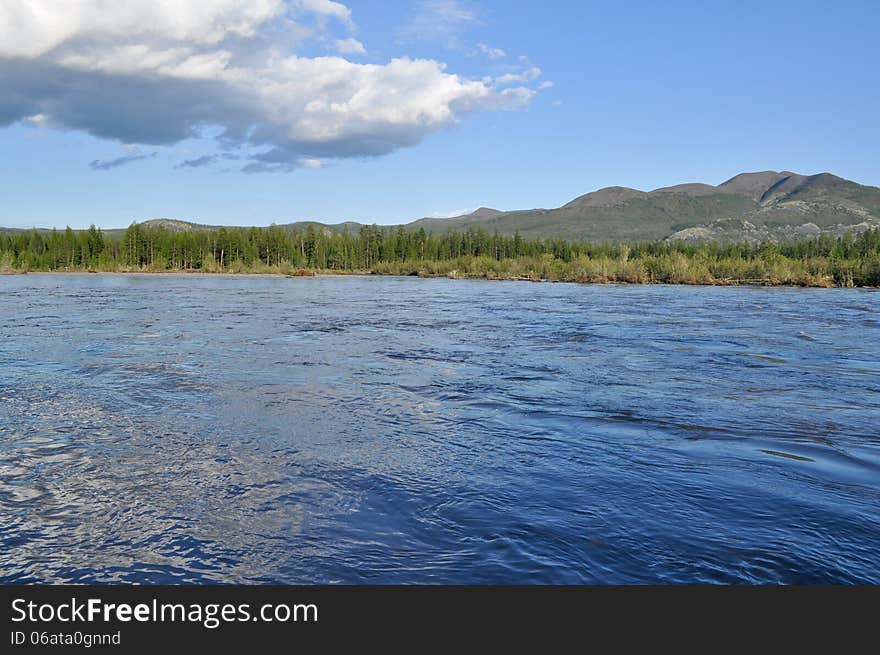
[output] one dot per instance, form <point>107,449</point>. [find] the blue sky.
<point>240,119</point>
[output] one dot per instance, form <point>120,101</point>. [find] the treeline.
<point>851,260</point>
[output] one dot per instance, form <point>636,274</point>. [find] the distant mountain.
<point>174,225</point>
<point>768,205</point>
<point>750,206</point>
<point>474,219</point>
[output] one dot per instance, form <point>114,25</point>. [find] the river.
<point>201,429</point>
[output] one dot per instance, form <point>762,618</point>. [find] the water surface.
<point>162,429</point>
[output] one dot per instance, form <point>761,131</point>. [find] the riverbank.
<point>824,261</point>
<point>822,283</point>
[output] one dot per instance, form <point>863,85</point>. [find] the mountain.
<point>175,225</point>
<point>761,206</point>
<point>751,206</point>
<point>474,219</point>
<point>185,226</point>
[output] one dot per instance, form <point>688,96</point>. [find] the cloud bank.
<point>157,72</point>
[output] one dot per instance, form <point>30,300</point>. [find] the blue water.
<point>400,430</point>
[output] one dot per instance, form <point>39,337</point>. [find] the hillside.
<point>751,206</point>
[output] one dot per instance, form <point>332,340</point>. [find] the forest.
<point>824,261</point>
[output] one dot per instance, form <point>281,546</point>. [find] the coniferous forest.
<point>850,260</point>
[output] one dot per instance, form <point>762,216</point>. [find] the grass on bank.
<point>665,269</point>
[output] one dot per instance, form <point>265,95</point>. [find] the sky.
<point>252,112</point>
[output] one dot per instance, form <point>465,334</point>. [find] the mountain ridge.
<point>751,206</point>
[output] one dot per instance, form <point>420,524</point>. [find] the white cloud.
<point>440,21</point>
<point>140,58</point>
<point>350,47</point>
<point>37,120</point>
<point>30,28</point>
<point>547,84</point>
<point>326,8</point>
<point>519,96</point>
<point>521,77</point>
<point>159,72</point>
<point>491,53</point>
<point>447,11</point>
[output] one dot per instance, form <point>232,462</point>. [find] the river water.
<point>186,429</point>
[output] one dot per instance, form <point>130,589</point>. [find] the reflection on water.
<point>384,430</point>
